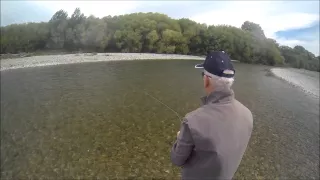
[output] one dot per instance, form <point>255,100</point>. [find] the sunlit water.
<point>92,120</point>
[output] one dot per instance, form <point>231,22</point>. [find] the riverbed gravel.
<point>306,80</point>
<point>36,61</point>
<point>93,121</point>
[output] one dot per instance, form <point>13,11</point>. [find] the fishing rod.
<point>175,112</point>
<point>165,105</point>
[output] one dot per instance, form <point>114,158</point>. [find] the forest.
<point>151,33</point>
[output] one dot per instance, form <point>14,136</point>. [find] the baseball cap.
<point>218,63</point>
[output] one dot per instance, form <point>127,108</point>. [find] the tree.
<point>74,30</point>
<point>58,27</point>
<point>128,40</point>
<point>152,32</point>
<point>76,18</point>
<point>94,35</point>
<point>253,28</point>
<point>151,38</point>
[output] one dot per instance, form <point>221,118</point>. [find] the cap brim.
<point>199,66</point>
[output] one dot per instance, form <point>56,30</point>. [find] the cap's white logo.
<point>228,71</point>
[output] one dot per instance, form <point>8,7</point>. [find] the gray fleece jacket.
<point>213,138</point>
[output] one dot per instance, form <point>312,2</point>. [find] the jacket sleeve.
<point>182,148</point>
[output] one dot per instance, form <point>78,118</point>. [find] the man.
<point>213,138</point>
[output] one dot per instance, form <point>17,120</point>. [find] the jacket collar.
<point>218,96</point>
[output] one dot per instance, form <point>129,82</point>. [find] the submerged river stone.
<point>93,120</point>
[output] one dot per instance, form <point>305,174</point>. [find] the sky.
<point>289,22</point>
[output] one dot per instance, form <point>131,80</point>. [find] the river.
<point>92,120</point>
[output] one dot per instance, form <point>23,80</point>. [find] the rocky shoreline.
<point>47,60</point>
<point>306,80</point>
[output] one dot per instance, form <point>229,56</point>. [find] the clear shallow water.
<point>93,120</point>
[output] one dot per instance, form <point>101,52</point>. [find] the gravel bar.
<point>308,81</point>
<point>48,60</point>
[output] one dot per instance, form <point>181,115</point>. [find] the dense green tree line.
<point>151,32</point>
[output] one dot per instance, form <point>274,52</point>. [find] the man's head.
<point>218,72</point>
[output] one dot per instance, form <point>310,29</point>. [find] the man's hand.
<point>182,148</point>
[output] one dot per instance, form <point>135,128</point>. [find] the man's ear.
<point>206,81</point>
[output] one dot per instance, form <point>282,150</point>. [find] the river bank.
<point>306,80</point>
<point>48,60</point>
